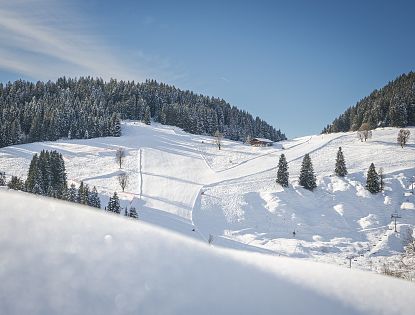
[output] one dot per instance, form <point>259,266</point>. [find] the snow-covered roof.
<point>263,140</point>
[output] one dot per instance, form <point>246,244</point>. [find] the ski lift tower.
<point>395,216</point>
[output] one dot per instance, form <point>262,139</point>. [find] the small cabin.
<point>261,142</point>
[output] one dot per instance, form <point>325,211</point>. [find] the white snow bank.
<point>61,258</point>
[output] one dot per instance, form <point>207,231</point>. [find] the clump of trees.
<point>391,106</point>
<point>403,137</point>
<point>47,175</point>
<point>88,108</point>
<point>364,132</point>
<point>16,183</point>
<point>282,173</point>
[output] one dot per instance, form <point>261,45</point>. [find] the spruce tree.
<point>147,117</point>
<point>2,179</point>
<point>340,168</point>
<point>133,213</point>
<point>372,181</point>
<point>93,199</point>
<point>282,173</point>
<point>114,204</point>
<point>16,183</point>
<point>71,194</point>
<point>307,177</point>
<point>80,196</point>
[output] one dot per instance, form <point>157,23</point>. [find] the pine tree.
<point>114,204</point>
<point>2,179</point>
<point>71,194</point>
<point>16,183</point>
<point>340,168</point>
<point>133,213</point>
<point>93,199</point>
<point>307,177</point>
<point>282,173</point>
<point>80,198</point>
<point>147,118</point>
<point>372,181</point>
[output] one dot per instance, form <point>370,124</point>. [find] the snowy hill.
<point>62,258</point>
<point>182,182</point>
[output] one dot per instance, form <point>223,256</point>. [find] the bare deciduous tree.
<point>403,137</point>
<point>123,180</point>
<point>364,132</point>
<point>120,155</point>
<point>218,139</point>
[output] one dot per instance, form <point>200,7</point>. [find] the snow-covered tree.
<point>372,180</point>
<point>93,198</point>
<point>282,173</point>
<point>403,137</point>
<point>340,168</point>
<point>2,179</point>
<point>307,177</point>
<point>71,194</point>
<point>133,213</point>
<point>16,183</point>
<point>114,204</point>
<point>147,118</point>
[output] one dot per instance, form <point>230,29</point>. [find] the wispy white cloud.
<point>45,39</point>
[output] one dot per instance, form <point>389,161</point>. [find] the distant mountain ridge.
<point>88,108</point>
<point>391,106</point>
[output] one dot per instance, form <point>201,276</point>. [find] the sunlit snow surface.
<point>62,258</point>
<point>182,182</point>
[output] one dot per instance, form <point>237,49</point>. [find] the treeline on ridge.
<point>88,108</point>
<point>391,106</point>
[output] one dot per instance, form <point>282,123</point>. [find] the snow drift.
<point>61,258</point>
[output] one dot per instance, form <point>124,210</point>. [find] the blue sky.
<point>296,64</point>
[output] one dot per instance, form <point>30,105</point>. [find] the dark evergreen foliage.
<point>114,204</point>
<point>133,213</point>
<point>393,105</point>
<point>83,194</point>
<point>16,183</point>
<point>89,108</point>
<point>282,173</point>
<point>340,168</point>
<point>307,177</point>
<point>47,175</point>
<point>372,181</point>
<point>2,179</point>
<point>93,198</point>
<point>72,194</point>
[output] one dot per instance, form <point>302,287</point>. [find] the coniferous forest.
<point>391,106</point>
<point>88,108</point>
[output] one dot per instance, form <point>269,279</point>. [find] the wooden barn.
<point>261,142</point>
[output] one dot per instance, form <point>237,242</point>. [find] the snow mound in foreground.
<point>62,258</point>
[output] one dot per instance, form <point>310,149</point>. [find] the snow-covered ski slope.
<point>62,258</point>
<point>184,183</point>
